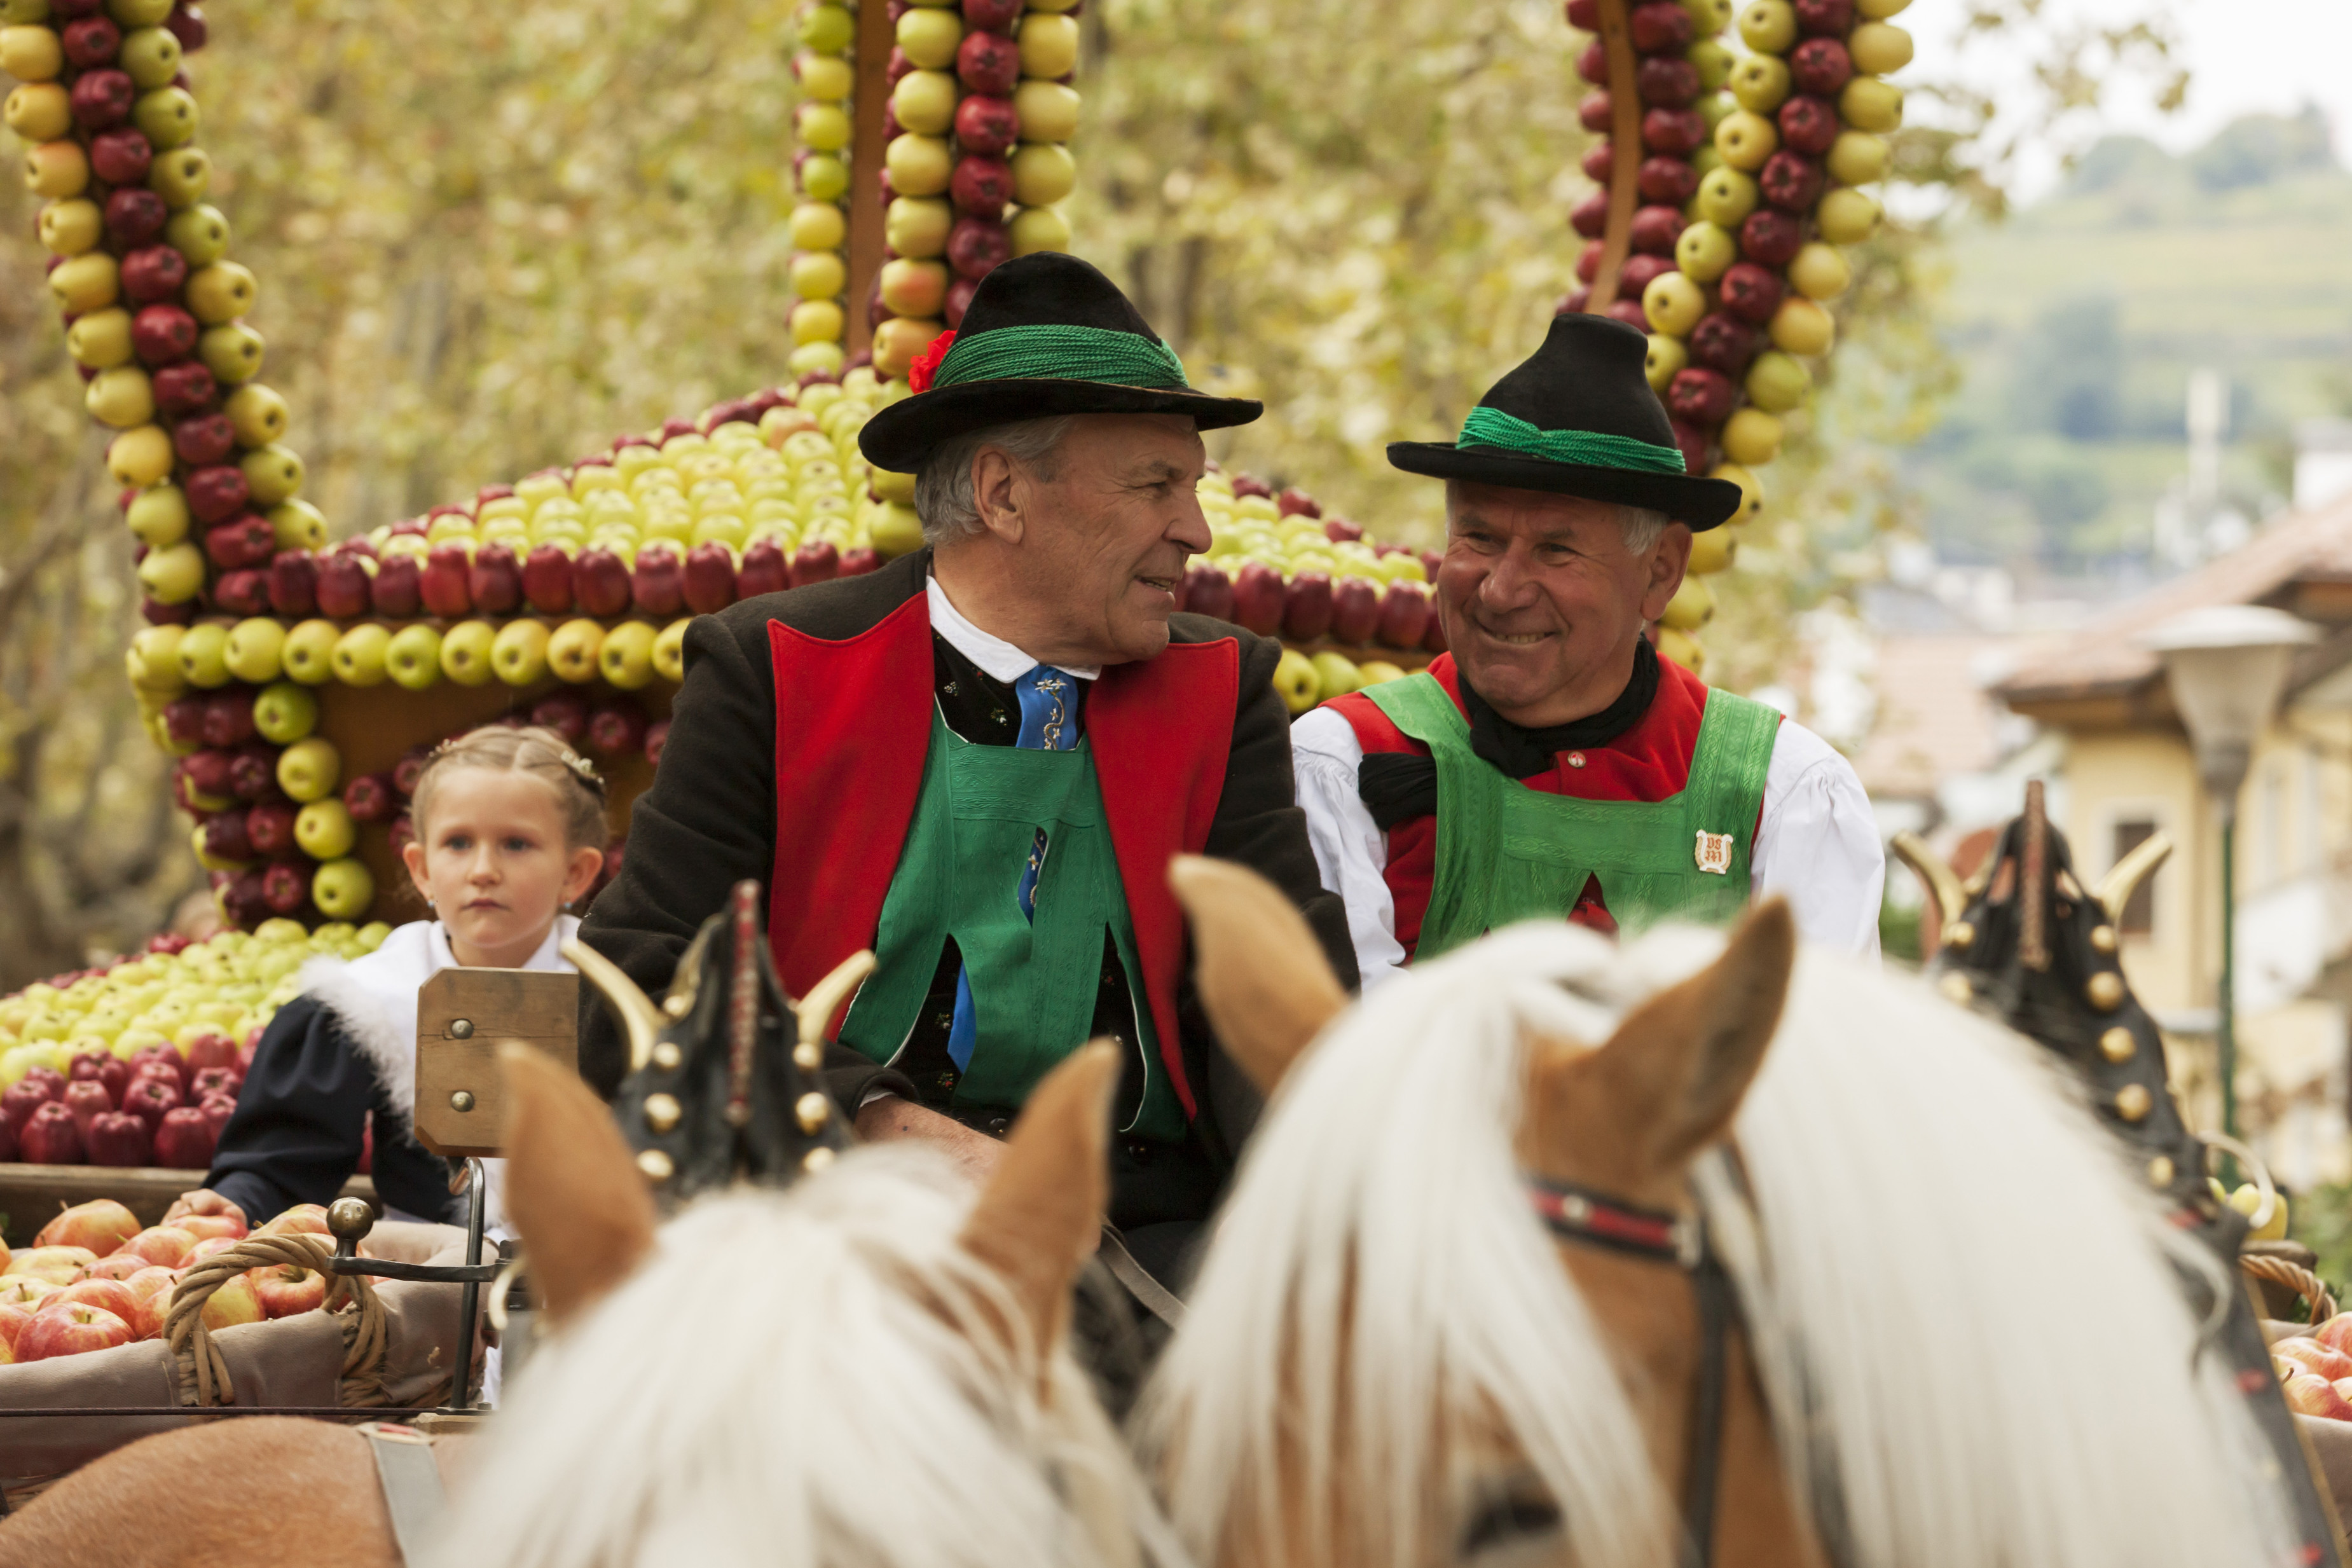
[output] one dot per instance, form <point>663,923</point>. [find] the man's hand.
<point>202,1201</point>
<point>890,1117</point>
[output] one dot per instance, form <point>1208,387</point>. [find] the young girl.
<point>509,832</point>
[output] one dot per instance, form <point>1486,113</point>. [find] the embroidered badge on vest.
<point>1714,853</point>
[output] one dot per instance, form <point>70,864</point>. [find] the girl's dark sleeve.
<point>300,1123</point>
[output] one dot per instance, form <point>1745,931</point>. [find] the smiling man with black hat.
<point>1551,764</point>
<point>978,759</point>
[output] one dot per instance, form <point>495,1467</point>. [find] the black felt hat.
<point>1579,418</point>
<point>1044,334</point>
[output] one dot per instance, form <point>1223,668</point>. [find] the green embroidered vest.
<point>1505,852</point>
<point>1034,985</point>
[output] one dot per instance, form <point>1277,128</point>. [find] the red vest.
<point>1650,762</point>
<point>852,726</point>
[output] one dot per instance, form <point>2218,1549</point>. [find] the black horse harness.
<point>1595,1219</point>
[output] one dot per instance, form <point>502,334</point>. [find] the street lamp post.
<point>2227,666</point>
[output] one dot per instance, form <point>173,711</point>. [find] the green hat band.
<point>1492,427</point>
<point>1051,352</point>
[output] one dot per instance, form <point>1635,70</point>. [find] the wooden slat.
<point>876,34</point>
<point>31,1194</point>
<point>538,1007</point>
<point>1625,152</point>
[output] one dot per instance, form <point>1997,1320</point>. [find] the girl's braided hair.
<point>534,749</point>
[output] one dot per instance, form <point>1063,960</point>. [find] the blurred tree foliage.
<point>489,240</point>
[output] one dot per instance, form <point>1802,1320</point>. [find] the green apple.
<point>625,658</point>
<point>152,55</point>
<point>924,101</point>
<point>1049,47</point>
<point>573,650</point>
<point>929,37</point>
<point>1760,83</point>
<point>1336,675</point>
<point>310,769</point>
<point>256,650</point>
<point>69,228</point>
<point>1704,252</point>
<point>157,517</point>
<point>1297,681</point>
<point>121,398</point>
<point>1856,158</point>
<point>817,322</point>
<point>519,652</point>
<point>139,13</point>
<point>1712,61</point>
<point>203,654</point>
<point>1746,139</point>
<point>180,176</point>
<point>823,177</point>
<point>1038,228</point>
<point>412,657</point>
<point>1047,110</point>
<point>154,659</point>
<point>1043,172</point>
<point>231,352</point>
<point>1847,216</point>
<point>828,30</point>
<point>918,226</point>
<point>1667,356</point>
<point>1725,197</point>
<point>919,165</point>
<point>1802,328</point>
<point>257,414</point>
<point>1820,271</point>
<point>1777,383</point>
<point>466,652</point>
<point>342,889</point>
<point>371,936</point>
<point>824,79</point>
<point>1869,104</point>
<point>1768,26</point>
<point>1708,17</point>
<point>221,292</point>
<point>283,713</point>
<point>324,829</point>
<point>298,525</point>
<point>669,651</point>
<point>310,652</point>
<point>359,653</point>
<point>166,117</point>
<point>818,275</point>
<point>1879,49</point>
<point>818,226</point>
<point>173,574</point>
<point>273,473</point>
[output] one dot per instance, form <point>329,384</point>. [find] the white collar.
<point>995,657</point>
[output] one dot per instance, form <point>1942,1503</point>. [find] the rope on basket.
<point>203,1374</point>
<point>2295,1276</point>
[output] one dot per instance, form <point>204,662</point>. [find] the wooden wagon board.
<point>30,1195</point>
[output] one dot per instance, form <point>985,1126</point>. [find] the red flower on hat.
<point>927,364</point>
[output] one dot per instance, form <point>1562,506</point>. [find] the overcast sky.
<point>2244,57</point>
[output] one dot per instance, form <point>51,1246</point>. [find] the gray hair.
<point>943,492</point>
<point>1641,525</point>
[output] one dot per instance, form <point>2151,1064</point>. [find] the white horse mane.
<point>812,1379</point>
<point>1951,1275</point>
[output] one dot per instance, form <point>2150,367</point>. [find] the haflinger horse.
<point>868,1369</point>
<point>1541,1255</point>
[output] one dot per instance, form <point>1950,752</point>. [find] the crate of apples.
<point>94,1280</point>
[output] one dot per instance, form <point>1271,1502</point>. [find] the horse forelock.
<point>809,1379</point>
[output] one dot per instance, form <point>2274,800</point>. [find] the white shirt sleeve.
<point>1350,850</point>
<point>1817,844</point>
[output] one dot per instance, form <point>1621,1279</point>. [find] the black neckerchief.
<point>1398,786</point>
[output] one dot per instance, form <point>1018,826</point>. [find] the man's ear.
<point>1668,560</point>
<point>997,490</point>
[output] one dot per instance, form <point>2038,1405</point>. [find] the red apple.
<point>494,580</point>
<point>1721,342</point>
<point>217,493</point>
<point>166,1245</point>
<point>344,586</point>
<point>2327,1362</point>
<point>253,775</point>
<point>1592,64</point>
<point>764,570</point>
<point>303,1219</point>
<point>370,798</point>
<point>285,1289</point>
<point>71,1331</point>
<point>1700,396</point>
<point>293,584</point>
<point>153,274</point>
<point>1666,81</point>
<point>1208,591</point>
<point>163,334</point>
<point>164,1056</point>
<point>1636,274</point>
<point>1433,636</point>
<point>566,713</point>
<point>860,559</point>
<point>600,583</point>
<point>709,578</point>
<point>1251,485</point>
<point>151,1098</point>
<point>241,541</point>
<point>977,246</point>
<point>226,837</point>
<point>286,886</point>
<point>1770,237</point>
<point>657,582</point>
<point>982,186</point>
<point>134,215</point>
<point>996,15</point>
<point>1751,292</point>
<point>443,588</point>
<point>58,1265</point>
<point>152,1289</point>
<point>1589,218</point>
<point>1660,26</point>
<point>112,1071</point>
<point>2307,1393</point>
<point>186,23</point>
<point>121,157</point>
<point>118,1264</point>
<point>816,561</point>
<point>219,1109</point>
<point>270,828</point>
<point>14,1320</point>
<point>1404,614</point>
<point>989,62</point>
<point>211,1244</point>
<point>1595,111</point>
<point>1655,229</point>
<point>186,387</point>
<point>1306,608</point>
<point>102,97</point>
<point>1671,181</point>
<point>396,591</point>
<point>2336,1333</point>
<point>101,1227</point>
<point>1600,157</point>
<point>1676,132</point>
<point>206,1227</point>
<point>107,1295</point>
<point>183,1140</point>
<point>51,1137</point>
<point>1295,502</point>
<point>1825,18</point>
<point>547,580</point>
<point>1258,597</point>
<point>1791,182</point>
<point>237,1301</point>
<point>86,1097</point>
<point>1355,610</point>
<point>184,721</point>
<point>1808,123</point>
<point>616,728</point>
<point>987,124</point>
<point>656,736</point>
<point>90,42</point>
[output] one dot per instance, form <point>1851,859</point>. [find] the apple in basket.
<point>13,1321</point>
<point>303,1219</point>
<point>100,1224</point>
<point>204,1226</point>
<point>111,1295</point>
<point>118,1265</point>
<point>209,1245</point>
<point>164,1243</point>
<point>54,1264</point>
<point>2315,1357</point>
<point>71,1331</point>
<point>287,1289</point>
<point>2308,1393</point>
<point>237,1301</point>
<point>2336,1333</point>
<point>151,1288</point>
<point>24,1291</point>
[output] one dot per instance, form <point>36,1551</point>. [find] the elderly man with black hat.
<point>978,759</point>
<point>1552,764</point>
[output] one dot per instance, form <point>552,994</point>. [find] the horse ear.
<point>572,1189</point>
<point>1264,981</point>
<point>1669,1082</point>
<point>1040,1217</point>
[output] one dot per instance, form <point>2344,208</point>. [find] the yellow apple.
<point>256,650</point>
<point>90,281</point>
<point>1047,110</point>
<point>1856,158</point>
<point>121,398</point>
<point>827,79</point>
<point>359,653</point>
<point>324,829</point>
<point>519,652</point>
<point>1691,607</point>
<point>924,101</point>
<point>221,292</point>
<point>1760,83</point>
<point>929,37</point>
<point>919,165</point>
<point>173,574</point>
<point>918,226</point>
<point>342,889</point>
<point>1869,104</point>
<point>1751,437</point>
<point>1712,549</point>
<point>823,177</point>
<point>55,169</point>
<point>573,650</point>
<point>1683,648</point>
<point>1820,271</point>
<point>1879,49</point>
<point>30,53</point>
<point>39,111</point>
<point>1666,356</point>
<point>625,658</point>
<point>258,413</point>
<point>1049,45</point>
<point>1751,490</point>
<point>818,226</point>
<point>272,473</point>
<point>818,274</point>
<point>1802,327</point>
<point>413,657</point>
<point>101,339</point>
<point>1297,681</point>
<point>1746,140</point>
<point>69,228</point>
<point>911,288</point>
<point>823,126</point>
<point>1768,26</point>
<point>1847,216</point>
<point>1043,172</point>
<point>1034,229</point>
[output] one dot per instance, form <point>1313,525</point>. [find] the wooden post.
<point>1625,150</point>
<point>870,97</point>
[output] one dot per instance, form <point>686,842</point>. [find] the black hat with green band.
<point>1578,419</point>
<point>1044,334</point>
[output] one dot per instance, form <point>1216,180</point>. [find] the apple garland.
<point>820,228</point>
<point>1747,196</point>
<point>980,115</point>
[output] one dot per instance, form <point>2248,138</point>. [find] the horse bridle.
<point>1595,1219</point>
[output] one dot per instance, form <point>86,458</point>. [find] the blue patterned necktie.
<point>1049,722</point>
